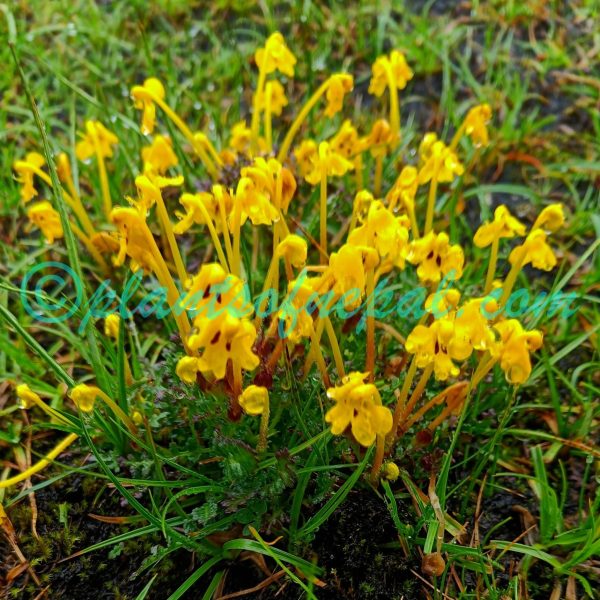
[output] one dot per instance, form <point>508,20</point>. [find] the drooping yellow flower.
<point>193,211</point>
<point>358,406</point>
<point>158,157</point>
<point>112,323</point>
<point>361,204</point>
<point>379,138</point>
<point>223,338</point>
<point>534,250</point>
<point>346,141</point>
<point>348,268</point>
<point>294,249</point>
<point>435,345</point>
<point>25,174</point>
<point>144,100</point>
<point>330,162</point>
<point>514,348</point>
<point>275,56</point>
<point>306,154</point>
<point>442,302</point>
<point>436,257</point>
<point>47,219</point>
<point>504,225</point>
<point>399,73</point>
<point>63,168</point>
<point>294,310</point>
<point>440,162</point>
<point>384,232</point>
<point>27,397</point>
<point>135,238</point>
<point>96,140</point>
<point>278,98</point>
<point>240,137</point>
<point>187,369</point>
<point>255,203</point>
<point>472,329</point>
<point>264,174</point>
<point>476,124</point>
<point>84,396</point>
<point>551,218</point>
<point>403,192</point>
<point>340,84</point>
<point>254,400</point>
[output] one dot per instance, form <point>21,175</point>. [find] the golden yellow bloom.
<point>254,400</point>
<point>240,137</point>
<point>435,257</point>
<point>403,192</point>
<point>384,232</point>
<point>275,56</point>
<point>440,163</point>
<point>148,193</point>
<point>504,225</point>
<point>471,328</point>
<point>435,345</point>
<point>306,154</point>
<point>255,203</point>
<point>63,168</point>
<point>25,174</point>
<point>158,157</point>
<point>514,348</point>
<point>187,369</point>
<point>27,397</point>
<point>278,98</point>
<point>340,84</point>
<point>348,268</point>
<point>294,248</point>
<point>143,99</point>
<point>361,204</point>
<point>379,137</point>
<point>399,73</point>
<point>346,141</point>
<point>264,173</point>
<point>224,337</point>
<point>534,250</point>
<point>294,313</point>
<point>332,163</point>
<point>95,139</point>
<point>476,124</point>
<point>358,406</point>
<point>442,302</point>
<point>112,324</point>
<point>84,396</point>
<point>390,471</point>
<point>135,238</point>
<point>551,218</point>
<point>47,219</point>
<point>193,211</point>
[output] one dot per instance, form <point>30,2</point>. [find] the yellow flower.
<point>358,406</point>
<point>440,163</point>
<point>158,157</point>
<point>390,471</point>
<point>514,348</point>
<point>361,204</point>
<point>193,211</point>
<point>404,190</point>
<point>504,225</point>
<point>84,396</point>
<point>27,397</point>
<point>306,154</point>
<point>144,100</point>
<point>112,324</point>
<point>240,138</point>
<point>148,193</point>
<point>187,369</point>
<point>471,328</point>
<point>278,98</point>
<point>384,232</point>
<point>135,238</point>
<point>436,257</point>
<point>551,218</point>
<point>294,249</point>
<point>476,124</point>
<point>346,141</point>
<point>378,139</point>
<point>294,311</point>
<point>25,174</point>
<point>442,302</point>
<point>534,250</point>
<point>435,345</point>
<point>95,139</point>
<point>339,85</point>
<point>347,269</point>
<point>275,56</point>
<point>400,73</point>
<point>254,400</point>
<point>426,144</point>
<point>331,162</point>
<point>222,338</point>
<point>47,219</point>
<point>255,203</point>
<point>63,168</point>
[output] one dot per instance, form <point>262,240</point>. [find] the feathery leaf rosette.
<point>358,406</point>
